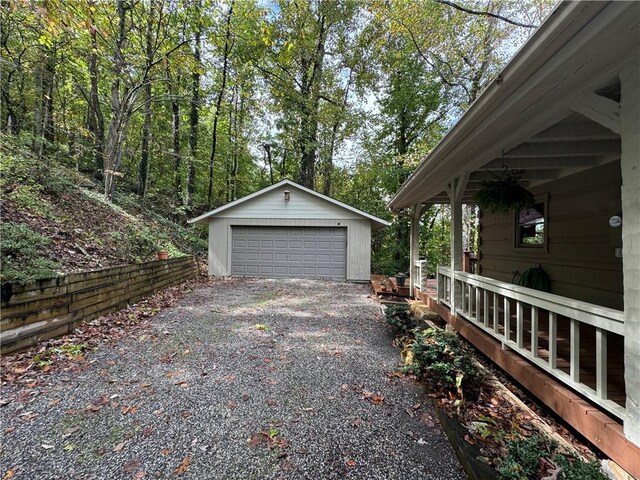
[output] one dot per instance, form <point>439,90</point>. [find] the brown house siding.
<point>580,255</point>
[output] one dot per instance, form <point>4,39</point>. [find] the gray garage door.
<point>297,252</point>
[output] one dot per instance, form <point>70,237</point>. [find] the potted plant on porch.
<point>400,278</point>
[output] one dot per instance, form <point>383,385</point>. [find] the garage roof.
<point>375,221</point>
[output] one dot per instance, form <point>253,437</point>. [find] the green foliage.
<point>522,461</point>
<point>399,316</point>
<point>504,195</point>
<point>23,254</point>
<point>579,470</point>
<point>446,363</point>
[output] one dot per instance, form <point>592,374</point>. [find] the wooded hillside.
<point>181,106</point>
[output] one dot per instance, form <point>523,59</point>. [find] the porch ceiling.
<point>572,145</point>
<point>553,111</point>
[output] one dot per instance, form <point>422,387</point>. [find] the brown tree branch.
<point>485,13</point>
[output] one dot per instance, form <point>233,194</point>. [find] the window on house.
<point>531,226</point>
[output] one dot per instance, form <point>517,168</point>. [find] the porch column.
<point>630,167</point>
<point>414,247</point>
<point>455,191</point>
<point>416,214</point>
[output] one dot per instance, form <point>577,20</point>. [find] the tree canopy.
<point>192,104</point>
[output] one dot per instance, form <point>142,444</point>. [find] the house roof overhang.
<point>541,113</point>
<point>376,222</point>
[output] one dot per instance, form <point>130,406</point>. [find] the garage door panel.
<point>312,252</point>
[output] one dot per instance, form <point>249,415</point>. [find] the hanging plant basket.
<point>504,194</point>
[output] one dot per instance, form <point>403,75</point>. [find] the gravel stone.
<point>243,379</point>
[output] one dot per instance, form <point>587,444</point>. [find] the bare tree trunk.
<point>267,151</point>
<point>143,168</point>
<point>119,103</point>
<point>309,127</point>
<point>195,110</point>
<point>239,121</point>
<point>175,134</point>
<point>96,119</point>
<point>214,134</point>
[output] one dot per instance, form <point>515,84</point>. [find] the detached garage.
<point>287,230</point>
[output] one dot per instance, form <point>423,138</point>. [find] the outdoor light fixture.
<point>287,195</point>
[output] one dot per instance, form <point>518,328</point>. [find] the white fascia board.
<point>378,222</point>
<point>229,205</point>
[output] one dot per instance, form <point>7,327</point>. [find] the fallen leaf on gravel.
<point>186,414</point>
<point>70,431</point>
<point>230,378</point>
<point>182,468</point>
<point>373,398</point>
<point>100,451</point>
<point>9,429</point>
<point>245,397</point>
<point>69,447</point>
<point>231,404</point>
<point>272,381</point>
<point>8,475</point>
<point>271,402</point>
<point>182,383</point>
<point>427,420</point>
<point>118,448</point>
<point>350,462</point>
<point>145,385</point>
<point>148,431</point>
<point>395,374</point>
<point>24,396</point>
<point>94,408</point>
<point>27,416</point>
<point>303,451</point>
<point>46,446</point>
<point>165,451</point>
<point>173,374</point>
<point>54,402</point>
<point>128,409</point>
<point>132,466</point>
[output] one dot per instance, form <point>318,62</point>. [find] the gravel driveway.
<point>244,379</point>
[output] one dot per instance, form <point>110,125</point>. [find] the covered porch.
<point>565,115</point>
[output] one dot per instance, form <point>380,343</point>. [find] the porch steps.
<point>391,287</point>
<point>422,312</point>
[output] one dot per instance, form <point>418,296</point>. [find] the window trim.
<point>544,246</point>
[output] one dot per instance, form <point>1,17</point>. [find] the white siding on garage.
<point>301,205</point>
<point>358,241</point>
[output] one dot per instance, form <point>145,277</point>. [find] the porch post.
<point>630,167</point>
<point>455,191</point>
<point>414,247</point>
<point>416,214</point>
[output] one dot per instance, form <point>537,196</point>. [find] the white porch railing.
<point>496,306</point>
<point>421,274</point>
